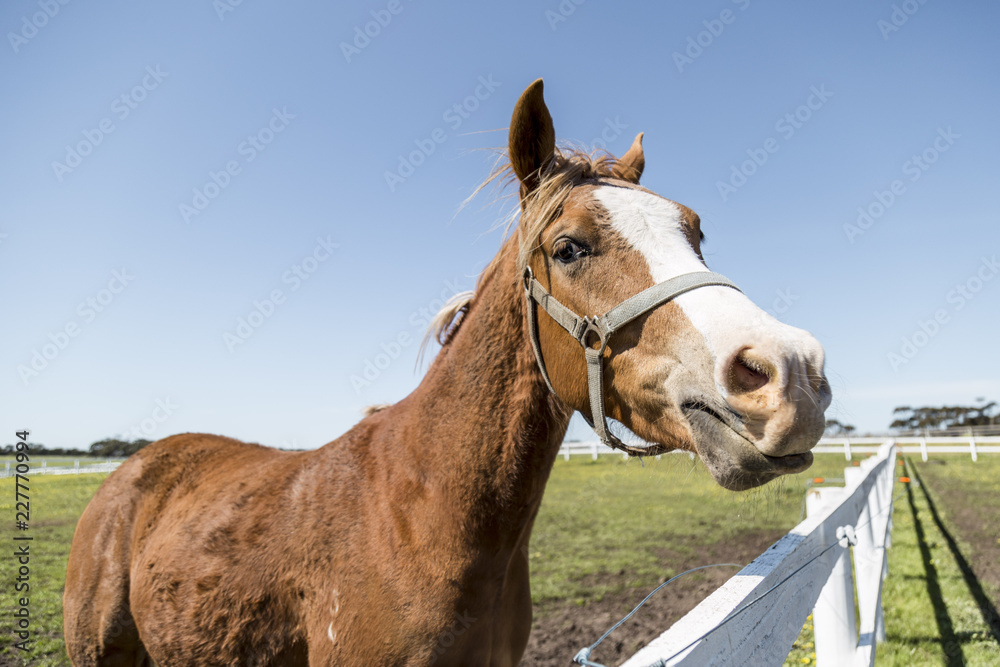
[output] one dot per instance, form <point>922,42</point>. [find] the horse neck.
<point>491,428</point>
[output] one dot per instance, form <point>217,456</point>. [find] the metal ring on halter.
<point>587,326</point>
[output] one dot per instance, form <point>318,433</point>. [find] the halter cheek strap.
<point>593,333</point>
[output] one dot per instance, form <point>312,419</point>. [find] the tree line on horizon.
<point>906,418</point>
<point>929,418</point>
<point>946,417</point>
<point>109,448</point>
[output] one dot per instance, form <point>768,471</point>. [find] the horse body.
<point>402,542</point>
<point>405,541</point>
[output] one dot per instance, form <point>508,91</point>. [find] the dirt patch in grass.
<point>562,628</point>
<point>966,520</point>
<point>971,511</point>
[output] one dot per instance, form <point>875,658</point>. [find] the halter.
<point>589,331</point>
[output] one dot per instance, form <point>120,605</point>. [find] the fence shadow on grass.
<point>986,607</point>
<point>946,629</point>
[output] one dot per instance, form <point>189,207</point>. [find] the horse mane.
<point>570,166</point>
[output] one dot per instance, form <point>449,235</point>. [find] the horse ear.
<point>532,140</point>
<point>629,167</point>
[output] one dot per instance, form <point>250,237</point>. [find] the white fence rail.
<point>973,446</point>
<point>75,469</point>
<point>756,616</point>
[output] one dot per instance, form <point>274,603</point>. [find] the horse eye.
<point>568,251</point>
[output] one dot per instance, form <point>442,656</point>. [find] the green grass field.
<point>931,612</point>
<point>56,503</point>
<point>613,515</point>
<point>604,527</point>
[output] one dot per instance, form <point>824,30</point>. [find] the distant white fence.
<point>755,617</point>
<point>973,446</point>
<point>75,469</point>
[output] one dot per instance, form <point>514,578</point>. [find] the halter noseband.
<point>599,328</point>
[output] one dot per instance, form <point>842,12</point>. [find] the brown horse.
<point>404,541</point>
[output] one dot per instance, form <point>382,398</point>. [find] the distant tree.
<point>32,447</point>
<point>947,416</point>
<point>62,451</point>
<point>139,444</point>
<point>37,449</point>
<point>116,449</point>
<point>834,427</point>
<point>108,448</point>
<point>986,414</point>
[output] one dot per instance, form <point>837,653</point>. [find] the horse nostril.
<point>747,373</point>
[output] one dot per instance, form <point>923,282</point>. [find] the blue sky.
<point>168,170</point>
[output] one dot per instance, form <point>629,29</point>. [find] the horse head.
<point>707,370</point>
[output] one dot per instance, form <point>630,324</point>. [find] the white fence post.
<point>847,448</point>
<point>833,614</point>
<point>972,448</point>
<point>593,450</point>
<point>881,531</point>
<point>866,565</point>
<point>923,449</point>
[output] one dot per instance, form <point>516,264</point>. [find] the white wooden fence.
<point>76,469</point>
<point>755,617</point>
<point>972,445</point>
<point>848,446</point>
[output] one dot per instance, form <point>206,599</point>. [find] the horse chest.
<point>365,621</point>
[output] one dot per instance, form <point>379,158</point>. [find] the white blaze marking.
<point>727,319</point>
<point>652,225</point>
